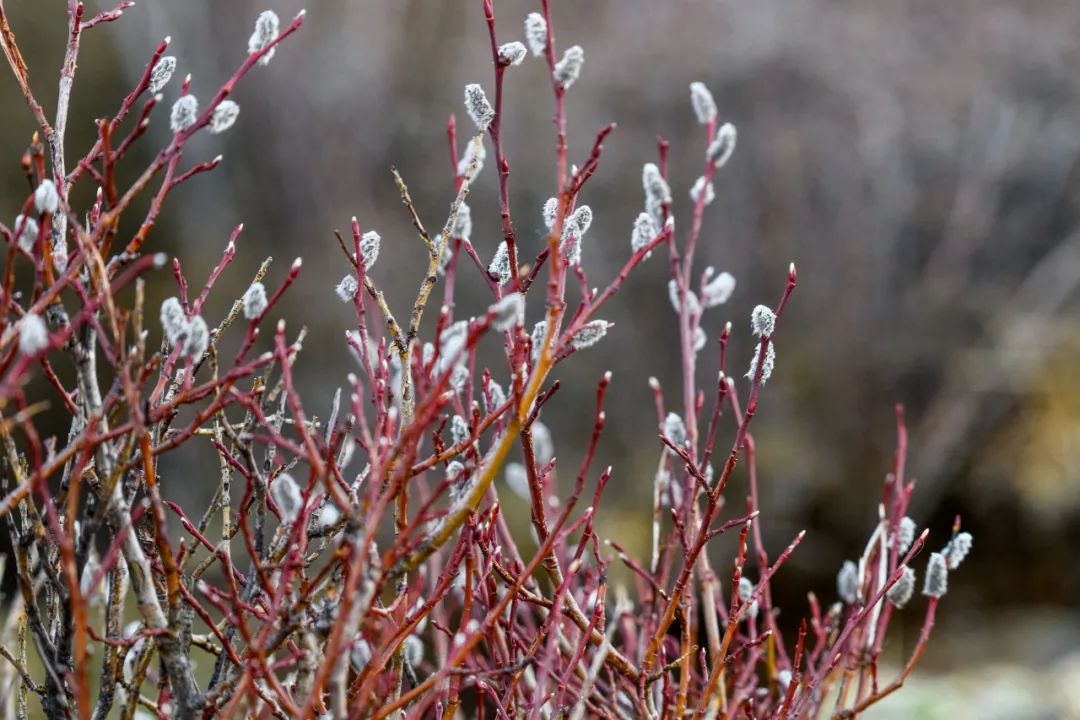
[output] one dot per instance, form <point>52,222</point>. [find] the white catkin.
<point>958,549</point>
<point>500,264</point>
<point>360,654</point>
<point>173,321</point>
<point>224,116</point>
<point>346,289</point>
<point>695,191</point>
<point>496,395</point>
<point>551,208</point>
<point>267,28</point>
<point>478,107</point>
<point>539,332</point>
<point>254,301</point>
<point>536,33</point>
<point>746,591</point>
<point>328,515</point>
<point>543,444</point>
<point>589,334</point>
<point>722,146</point>
<point>905,534</point>
<point>568,70</point>
<point>937,576</point>
<point>414,651</point>
<point>702,100</point>
<point>185,111</point>
<point>369,248</point>
<point>716,290</point>
<point>33,335</point>
<point>508,313</point>
<point>161,74</point>
<point>473,152</point>
<point>459,430</point>
<point>46,198</point>
<point>198,339</point>
<point>512,53</point>
<point>462,225</point>
<point>26,232</point>
<point>287,496</point>
<point>574,232</point>
<point>459,377</point>
<point>847,582</point>
<point>900,593</point>
<point>451,343</point>
<point>767,366</point>
<point>693,305</point>
<point>654,184</point>
<point>517,479</point>
<point>762,321</point>
<point>644,232</point>
<point>675,429</point>
<point>699,339</point>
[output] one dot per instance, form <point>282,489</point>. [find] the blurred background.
<point>917,160</point>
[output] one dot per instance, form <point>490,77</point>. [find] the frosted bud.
<point>173,321</point>
<point>574,231</point>
<point>287,496</point>
<point>702,100</point>
<point>254,301</point>
<point>328,515</point>
<point>224,116</point>
<point>478,107</point>
<point>716,291</point>
<point>346,289</point>
<point>508,312</point>
<point>695,192</point>
<point>451,343</point>
<point>746,591</point>
<point>539,332</point>
<point>937,576</point>
<point>360,654</point>
<point>185,111</point>
<point>699,339</point>
<point>459,430</point>
<point>474,151</point>
<point>267,28</point>
<point>900,593</point>
<point>46,198</point>
<point>161,74</point>
<point>500,264</point>
<point>461,227</point>
<point>722,146</point>
<point>369,248</point>
<point>693,305</point>
<point>675,429</point>
<point>496,395</point>
<point>551,209</point>
<point>33,335</point>
<point>517,479</point>
<point>644,232</point>
<point>543,445</point>
<point>536,33</point>
<point>568,70</point>
<point>957,549</point>
<point>198,339</point>
<point>847,582</point>
<point>414,651</point>
<point>26,232</point>
<point>905,534</point>
<point>766,367</point>
<point>589,334</point>
<point>762,321</point>
<point>512,53</point>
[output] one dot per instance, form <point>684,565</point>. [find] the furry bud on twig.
<point>254,301</point>
<point>762,321</point>
<point>589,334</point>
<point>675,429</point>
<point>33,335</point>
<point>508,313</point>
<point>957,549</point>
<point>722,146</point>
<point>568,70</point>
<point>26,232</point>
<point>937,576</point>
<point>536,33</point>
<point>900,593</point>
<point>702,100</point>
<point>46,198</point>
<point>198,339</point>
<point>478,107</point>
<point>346,289</point>
<point>693,305</point>
<point>185,111</point>
<point>746,591</point>
<point>287,496</point>
<point>500,264</point>
<point>847,582</point>
<point>461,227</point>
<point>161,74</point>
<point>224,116</point>
<point>702,185</point>
<point>766,367</point>
<point>905,534</point>
<point>717,290</point>
<point>173,321</point>
<point>267,28</point>
<point>644,232</point>
<point>474,152</point>
<point>551,208</point>
<point>574,231</point>
<point>512,53</point>
<point>369,248</point>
